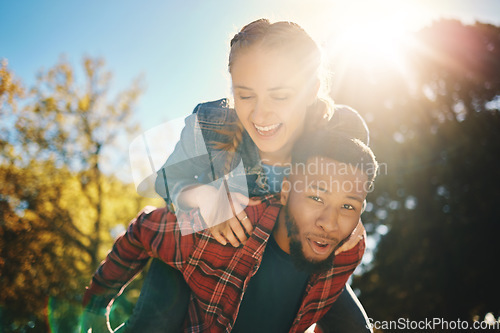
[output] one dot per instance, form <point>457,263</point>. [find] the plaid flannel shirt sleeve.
<point>129,255</point>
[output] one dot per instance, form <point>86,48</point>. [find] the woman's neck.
<point>279,158</point>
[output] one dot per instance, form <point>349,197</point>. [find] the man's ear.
<point>285,191</point>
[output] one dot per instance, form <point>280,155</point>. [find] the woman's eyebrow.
<point>281,88</point>
<point>270,89</point>
<point>241,87</point>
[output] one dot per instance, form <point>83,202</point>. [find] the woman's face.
<point>271,95</point>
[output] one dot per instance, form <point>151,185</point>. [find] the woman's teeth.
<point>267,130</point>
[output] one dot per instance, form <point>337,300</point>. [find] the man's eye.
<point>349,207</point>
<point>316,198</point>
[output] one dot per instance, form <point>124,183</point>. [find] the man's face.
<point>322,207</point>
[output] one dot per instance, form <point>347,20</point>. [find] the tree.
<point>436,127</point>
<point>57,204</point>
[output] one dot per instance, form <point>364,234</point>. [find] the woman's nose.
<point>261,113</point>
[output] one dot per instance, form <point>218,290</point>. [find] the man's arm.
<point>128,257</point>
<point>153,233</point>
<point>347,313</point>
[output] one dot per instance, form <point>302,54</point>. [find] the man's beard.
<point>297,251</point>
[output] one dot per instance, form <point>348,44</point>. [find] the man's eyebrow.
<point>319,188</point>
<point>354,197</point>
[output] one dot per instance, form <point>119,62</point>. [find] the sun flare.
<point>373,39</point>
<point>371,42</point>
<point>373,32</point>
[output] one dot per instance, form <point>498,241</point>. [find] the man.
<point>286,277</point>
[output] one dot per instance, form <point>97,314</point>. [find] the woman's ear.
<point>314,91</point>
<point>285,191</point>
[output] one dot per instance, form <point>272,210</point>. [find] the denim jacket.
<point>196,159</point>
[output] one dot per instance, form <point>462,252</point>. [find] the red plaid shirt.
<point>217,275</point>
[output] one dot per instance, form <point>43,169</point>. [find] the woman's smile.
<point>268,131</point>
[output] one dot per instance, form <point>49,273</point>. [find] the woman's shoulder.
<point>215,119</point>
<point>348,121</point>
<point>215,112</point>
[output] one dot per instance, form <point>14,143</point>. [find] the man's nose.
<point>328,219</point>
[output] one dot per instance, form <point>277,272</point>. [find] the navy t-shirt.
<point>275,175</point>
<point>273,295</point>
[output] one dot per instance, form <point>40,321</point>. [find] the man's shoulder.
<point>152,217</point>
<point>153,212</point>
<point>265,213</point>
<point>350,257</point>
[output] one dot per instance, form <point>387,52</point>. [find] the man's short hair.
<point>330,144</point>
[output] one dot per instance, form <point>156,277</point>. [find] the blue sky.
<point>181,46</point>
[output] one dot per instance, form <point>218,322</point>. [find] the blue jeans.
<point>163,302</point>
<point>346,315</point>
<point>164,299</point>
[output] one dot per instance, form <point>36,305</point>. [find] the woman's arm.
<point>192,161</point>
<point>193,176</point>
<point>185,166</point>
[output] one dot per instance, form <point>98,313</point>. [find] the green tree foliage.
<point>435,123</point>
<point>57,205</point>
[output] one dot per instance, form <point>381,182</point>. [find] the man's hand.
<point>357,234</point>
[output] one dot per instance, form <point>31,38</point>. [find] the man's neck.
<point>280,233</point>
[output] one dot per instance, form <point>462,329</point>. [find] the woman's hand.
<point>357,234</point>
<point>223,213</point>
<point>235,229</point>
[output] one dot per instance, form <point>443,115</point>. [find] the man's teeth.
<point>266,128</point>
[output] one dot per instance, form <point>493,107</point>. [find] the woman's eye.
<point>245,97</point>
<point>281,97</point>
